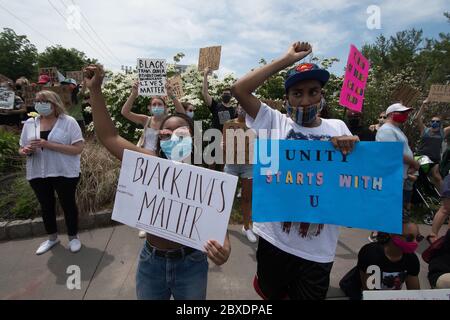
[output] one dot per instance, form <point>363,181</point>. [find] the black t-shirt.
<point>363,133</point>
<point>44,134</point>
<point>221,114</point>
<point>393,274</point>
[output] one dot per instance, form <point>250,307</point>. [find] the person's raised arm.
<point>243,88</point>
<point>420,116</point>
<point>178,106</point>
<point>104,128</point>
<point>140,119</point>
<point>205,89</point>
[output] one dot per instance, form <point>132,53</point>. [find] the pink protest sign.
<point>352,93</point>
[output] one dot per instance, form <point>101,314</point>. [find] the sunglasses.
<point>411,237</point>
<point>381,117</point>
<point>435,121</point>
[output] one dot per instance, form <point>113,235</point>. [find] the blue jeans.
<point>159,278</point>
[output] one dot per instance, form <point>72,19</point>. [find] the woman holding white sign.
<point>158,109</point>
<point>166,268</point>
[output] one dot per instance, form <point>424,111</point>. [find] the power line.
<point>25,23</point>
<point>93,30</point>
<point>105,53</point>
<point>76,31</point>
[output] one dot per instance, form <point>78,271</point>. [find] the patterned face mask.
<point>304,115</point>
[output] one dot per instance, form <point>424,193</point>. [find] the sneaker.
<point>75,245</point>
<point>46,245</point>
<point>249,234</point>
<point>142,234</point>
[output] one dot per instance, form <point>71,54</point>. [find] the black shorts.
<point>281,275</point>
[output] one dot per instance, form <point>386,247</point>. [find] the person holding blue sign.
<point>294,260</point>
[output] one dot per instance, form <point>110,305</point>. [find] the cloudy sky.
<point>248,30</point>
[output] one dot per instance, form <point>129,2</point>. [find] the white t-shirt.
<point>312,242</point>
<point>48,163</point>
<point>390,133</point>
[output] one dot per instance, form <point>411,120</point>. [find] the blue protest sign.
<point>313,182</point>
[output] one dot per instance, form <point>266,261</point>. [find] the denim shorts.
<point>244,171</point>
<point>160,278</point>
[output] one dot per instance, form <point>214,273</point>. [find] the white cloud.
<point>247,30</point>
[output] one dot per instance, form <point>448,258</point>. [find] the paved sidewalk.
<point>108,263</point>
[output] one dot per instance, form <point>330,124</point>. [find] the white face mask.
<point>43,108</point>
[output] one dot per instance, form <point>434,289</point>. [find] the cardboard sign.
<point>182,203</point>
<point>355,80</point>
<point>439,93</point>
<point>315,183</point>
<point>29,94</point>
<point>64,93</point>
<point>52,73</point>
<point>274,104</point>
<point>177,86</point>
<point>6,99</point>
<point>438,294</point>
<point>238,143</point>
<point>152,77</point>
<point>76,75</point>
<point>405,94</point>
<point>209,57</point>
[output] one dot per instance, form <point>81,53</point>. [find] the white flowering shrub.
<point>118,88</point>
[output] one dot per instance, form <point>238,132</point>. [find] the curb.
<point>20,229</point>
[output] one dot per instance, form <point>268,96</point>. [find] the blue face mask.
<point>190,114</point>
<point>435,125</point>
<point>43,108</point>
<point>177,148</point>
<point>306,115</point>
<point>158,111</point>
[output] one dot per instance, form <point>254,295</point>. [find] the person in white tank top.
<point>158,109</point>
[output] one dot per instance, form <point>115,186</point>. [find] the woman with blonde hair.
<point>52,143</point>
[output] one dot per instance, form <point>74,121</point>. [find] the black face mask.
<point>226,98</point>
<point>18,87</point>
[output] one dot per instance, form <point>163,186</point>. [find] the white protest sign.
<point>6,99</point>
<point>407,294</point>
<point>182,203</point>
<point>152,77</point>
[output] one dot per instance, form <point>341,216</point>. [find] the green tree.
<point>18,55</point>
<point>63,59</point>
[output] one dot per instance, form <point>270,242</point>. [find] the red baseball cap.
<point>44,79</point>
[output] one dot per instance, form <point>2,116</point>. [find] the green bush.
<point>17,199</point>
<point>10,160</point>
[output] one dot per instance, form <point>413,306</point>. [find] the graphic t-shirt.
<point>221,114</point>
<point>393,274</point>
<point>313,242</point>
